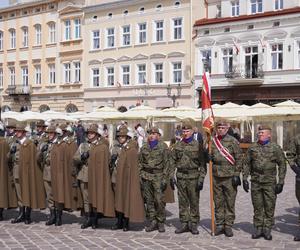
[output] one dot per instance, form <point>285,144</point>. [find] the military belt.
<point>187,171</point>
<point>262,171</point>
<point>152,171</point>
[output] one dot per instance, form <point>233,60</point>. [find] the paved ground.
<point>70,236</point>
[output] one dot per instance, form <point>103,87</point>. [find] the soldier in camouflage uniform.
<point>226,177</point>
<point>293,156</point>
<point>153,170</point>
<point>188,159</point>
<point>265,159</point>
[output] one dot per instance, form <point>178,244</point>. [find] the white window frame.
<point>25,37</point>
<point>67,29</point>
<point>227,59</point>
<point>177,29</point>
<point>95,77</point>
<point>12,76</point>
<point>77,71</point>
<point>67,72</point>
<point>157,72</point>
<point>1,40</point>
<point>235,8</point>
<point>25,78</point>
<point>38,34</point>
<point>276,55</point>
<point>52,32</point>
<point>96,39</point>
<point>12,38</point>
<point>177,72</point>
<point>278,4</point>
<point>1,77</point>
<point>142,33</point>
<point>141,74</point>
<point>256,6</point>
<point>158,31</point>
<point>125,75</point>
<point>110,38</point>
<point>110,76</point>
<point>77,28</point>
<point>126,36</point>
<point>38,74</point>
<point>52,74</point>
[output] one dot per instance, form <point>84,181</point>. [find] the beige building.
<point>134,49</point>
<point>40,55</point>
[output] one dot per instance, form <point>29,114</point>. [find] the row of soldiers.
<point>129,184</point>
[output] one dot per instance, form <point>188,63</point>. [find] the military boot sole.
<point>268,237</point>
<point>17,220</point>
<point>182,230</point>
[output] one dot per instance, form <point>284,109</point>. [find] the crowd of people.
<point>66,168</point>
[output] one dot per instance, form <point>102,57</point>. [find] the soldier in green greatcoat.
<point>153,170</point>
<point>264,161</point>
<point>226,156</point>
<point>187,158</point>
<point>293,156</point>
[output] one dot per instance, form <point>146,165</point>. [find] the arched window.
<point>12,38</point>
<point>71,108</point>
<point>52,32</point>
<point>44,108</point>
<point>25,36</point>
<point>38,34</point>
<point>177,4</point>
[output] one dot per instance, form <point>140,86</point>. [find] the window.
<point>158,67</point>
<point>67,30</point>
<point>276,24</point>
<point>142,10</point>
<point>219,11</point>
<point>235,8</point>
<point>1,40</point>
<point>125,13</point>
<point>227,60</point>
<point>177,28</point>
<point>1,77</point>
<point>96,77</point>
<point>38,34</point>
<point>250,27</point>
<point>109,15</point>
<point>96,39</point>
<point>126,74</point>
<point>177,4</point>
<point>256,6</point>
<point>25,76</point>
<point>142,33</point>
<point>110,37</point>
<point>67,72</point>
<point>25,37</point>
<point>177,72</point>
<point>158,7</point>
<point>227,29</point>
<point>141,73</point>
<point>51,73</point>
<point>77,24</point>
<point>126,35</point>
<point>159,31</point>
<point>206,60</point>
<point>276,55</point>
<point>278,4</point>
<point>12,76</point>
<point>52,33</point>
<point>77,71</point>
<point>12,38</point>
<point>251,62</point>
<point>110,76</point>
<point>71,108</point>
<point>298,49</point>
<point>38,74</point>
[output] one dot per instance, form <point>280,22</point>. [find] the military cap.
<point>186,126</point>
<point>93,128</point>
<point>153,130</point>
<point>63,127</point>
<point>41,123</point>
<point>222,123</point>
<point>264,127</point>
<point>11,124</point>
<point>51,129</point>
<point>20,127</point>
<point>122,132</point>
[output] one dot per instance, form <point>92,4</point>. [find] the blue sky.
<point>3,3</point>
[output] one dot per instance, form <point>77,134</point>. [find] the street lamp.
<point>174,96</point>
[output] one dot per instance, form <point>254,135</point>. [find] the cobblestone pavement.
<point>70,236</point>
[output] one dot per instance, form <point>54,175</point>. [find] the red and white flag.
<point>207,112</point>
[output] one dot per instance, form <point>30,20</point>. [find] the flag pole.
<point>211,191</point>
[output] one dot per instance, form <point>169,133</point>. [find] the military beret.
<point>264,127</point>
<point>11,124</point>
<point>186,126</point>
<point>51,129</point>
<point>20,127</point>
<point>41,123</point>
<point>93,128</point>
<point>153,130</point>
<point>122,132</point>
<point>222,123</point>
<point>63,127</point>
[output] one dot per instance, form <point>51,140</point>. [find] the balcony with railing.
<point>245,74</point>
<point>13,90</point>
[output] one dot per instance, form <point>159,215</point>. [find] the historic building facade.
<point>251,48</point>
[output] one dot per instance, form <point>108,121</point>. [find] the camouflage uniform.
<point>261,164</point>
<point>223,172</point>
<point>188,159</point>
<point>153,168</point>
<point>293,156</point>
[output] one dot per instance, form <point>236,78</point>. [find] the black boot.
<point>52,218</point>
<point>119,224</point>
<point>228,231</point>
<point>258,233</point>
<point>267,234</point>
<point>194,228</point>
<point>20,217</point>
<point>95,220</point>
<point>125,224</point>
<point>219,230</point>
<point>27,215</point>
<point>152,227</point>
<point>88,220</point>
<point>183,229</point>
<point>58,221</point>
<point>1,214</point>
